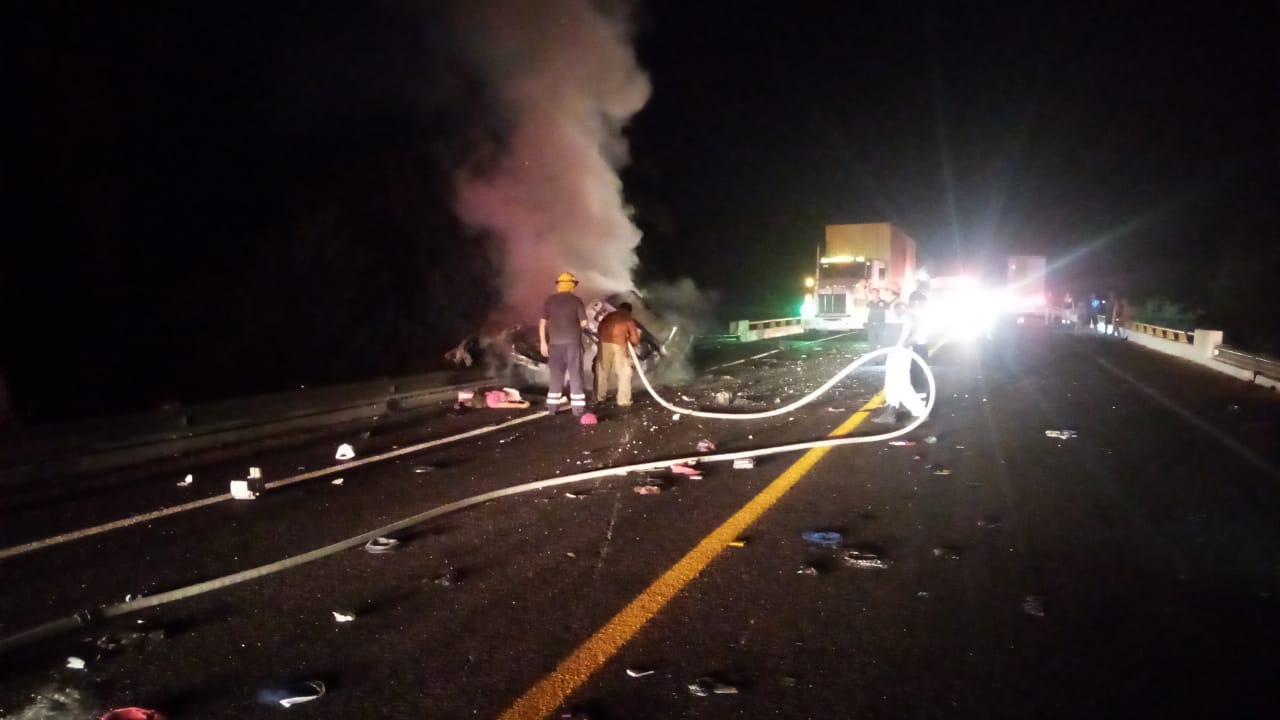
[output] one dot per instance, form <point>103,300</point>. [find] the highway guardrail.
<point>121,442</point>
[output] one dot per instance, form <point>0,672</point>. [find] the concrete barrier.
<point>155,437</point>
<point>751,330</point>
<point>1201,347</point>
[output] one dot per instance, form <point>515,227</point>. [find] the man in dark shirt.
<point>617,330</point>
<point>560,332</point>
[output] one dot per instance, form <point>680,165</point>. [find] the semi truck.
<point>854,259</point>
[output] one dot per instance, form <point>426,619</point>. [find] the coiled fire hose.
<point>85,617</point>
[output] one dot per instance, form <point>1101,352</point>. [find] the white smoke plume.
<point>564,76</point>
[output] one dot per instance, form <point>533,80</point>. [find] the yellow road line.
<point>549,693</point>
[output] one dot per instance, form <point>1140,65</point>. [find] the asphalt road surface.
<point>1128,571</point>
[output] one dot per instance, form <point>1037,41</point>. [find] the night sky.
<point>228,198</point>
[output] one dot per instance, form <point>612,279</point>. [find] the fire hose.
<point>83,618</point>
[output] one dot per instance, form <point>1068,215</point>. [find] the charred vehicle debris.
<point>513,355</point>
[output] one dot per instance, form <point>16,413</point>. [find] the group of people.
<point>899,325</point>
<point>564,317</point>
<point>1110,316</point>
<point>890,323</point>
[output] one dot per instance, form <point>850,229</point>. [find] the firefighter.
<point>560,333</point>
<point>617,330</point>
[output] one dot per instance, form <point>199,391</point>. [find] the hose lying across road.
<point>85,617</point>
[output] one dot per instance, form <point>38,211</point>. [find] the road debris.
<point>449,578</point>
<point>647,489</point>
<point>75,663</point>
<point>342,617</point>
<point>1033,605</point>
<point>744,463</point>
<point>989,523</point>
<point>336,481</point>
<point>420,469</point>
<point>705,445</point>
<point>685,469</point>
<point>588,419</point>
<point>941,471</point>
<point>722,398</point>
<point>865,560</point>
<point>737,543</point>
<point>704,686</point>
<point>290,695</point>
<point>1060,434</point>
<point>947,553</point>
<point>903,443</point>
<point>825,538</point>
<point>922,594</point>
<point>345,452</point>
<point>931,440</point>
<point>638,673</point>
<point>676,417</point>
<point>133,713</point>
<point>255,472</point>
<point>186,480</point>
<point>807,570</point>
<point>576,495</point>
<point>240,490</point>
<point>381,545</point>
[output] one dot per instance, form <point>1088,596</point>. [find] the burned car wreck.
<point>513,356</point>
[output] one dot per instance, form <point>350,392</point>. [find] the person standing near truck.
<point>875,318</point>
<point>560,333</point>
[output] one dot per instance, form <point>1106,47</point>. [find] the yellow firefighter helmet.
<point>566,281</point>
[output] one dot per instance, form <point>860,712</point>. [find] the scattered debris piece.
<point>336,481</point>
<point>342,617</point>
<point>1060,434</point>
<point>705,445</point>
<point>822,537</point>
<point>684,469</point>
<point>255,472</point>
<point>637,672</point>
<point>449,578</point>
<point>724,397</point>
<point>345,452</point>
<point>647,489</point>
<point>738,543</point>
<point>75,663</point>
<point>133,713</point>
<point>807,570</point>
<point>419,469</point>
<point>744,463</point>
<point>240,490</point>
<point>788,681</point>
<point>576,495</point>
<point>865,560</point>
<point>1033,605</point>
<point>922,594</point>
<point>947,553</point>
<point>931,440</point>
<point>941,471</point>
<point>588,419</point>
<point>291,695</point>
<point>187,480</point>
<point>381,545</point>
<point>903,443</point>
<point>989,523</point>
<point>704,686</point>
<point>835,409</point>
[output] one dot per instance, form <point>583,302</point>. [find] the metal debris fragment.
<point>1033,605</point>
<point>381,545</point>
<point>865,560</point>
